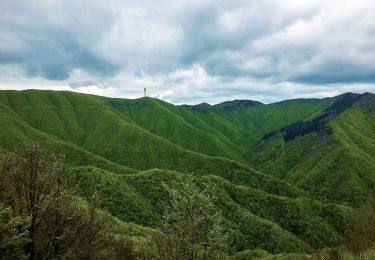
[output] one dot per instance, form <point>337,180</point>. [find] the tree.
<point>191,226</point>
<point>30,179</point>
<point>13,234</point>
<point>35,188</point>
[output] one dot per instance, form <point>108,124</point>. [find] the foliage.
<point>42,217</point>
<point>13,234</point>
<point>191,226</point>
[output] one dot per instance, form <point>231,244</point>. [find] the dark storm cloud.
<point>337,74</point>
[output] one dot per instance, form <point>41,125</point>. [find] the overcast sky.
<point>189,51</point>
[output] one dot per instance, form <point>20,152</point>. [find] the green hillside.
<point>289,177</point>
<point>334,161</point>
<point>92,123</point>
<point>254,217</point>
<point>104,133</point>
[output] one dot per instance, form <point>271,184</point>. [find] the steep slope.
<point>226,130</point>
<point>245,122</point>
<point>93,123</point>
<point>90,131</point>
<point>260,120</point>
<point>331,156</point>
<point>15,130</point>
<point>165,120</point>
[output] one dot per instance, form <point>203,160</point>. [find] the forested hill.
<point>226,129</point>
<point>290,177</point>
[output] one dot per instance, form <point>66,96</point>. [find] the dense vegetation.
<point>284,180</point>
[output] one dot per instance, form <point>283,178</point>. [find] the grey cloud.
<point>54,38</point>
<point>243,48</point>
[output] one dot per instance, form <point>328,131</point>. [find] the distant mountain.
<point>319,124</point>
<point>290,176</point>
<point>237,104</point>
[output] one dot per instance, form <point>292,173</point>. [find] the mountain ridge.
<point>125,148</point>
<point>250,101</point>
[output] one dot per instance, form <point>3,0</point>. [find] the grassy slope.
<point>93,124</point>
<point>258,120</point>
<point>15,130</point>
<point>185,130</point>
<point>93,132</point>
<point>83,119</point>
<point>338,167</point>
<point>246,126</point>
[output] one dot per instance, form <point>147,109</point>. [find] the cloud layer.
<point>189,51</point>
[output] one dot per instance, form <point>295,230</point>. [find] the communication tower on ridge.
<point>145,91</point>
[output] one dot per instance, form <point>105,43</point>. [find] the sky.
<point>189,51</point>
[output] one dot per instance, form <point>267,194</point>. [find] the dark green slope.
<point>237,104</point>
<point>333,158</point>
<point>254,218</point>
